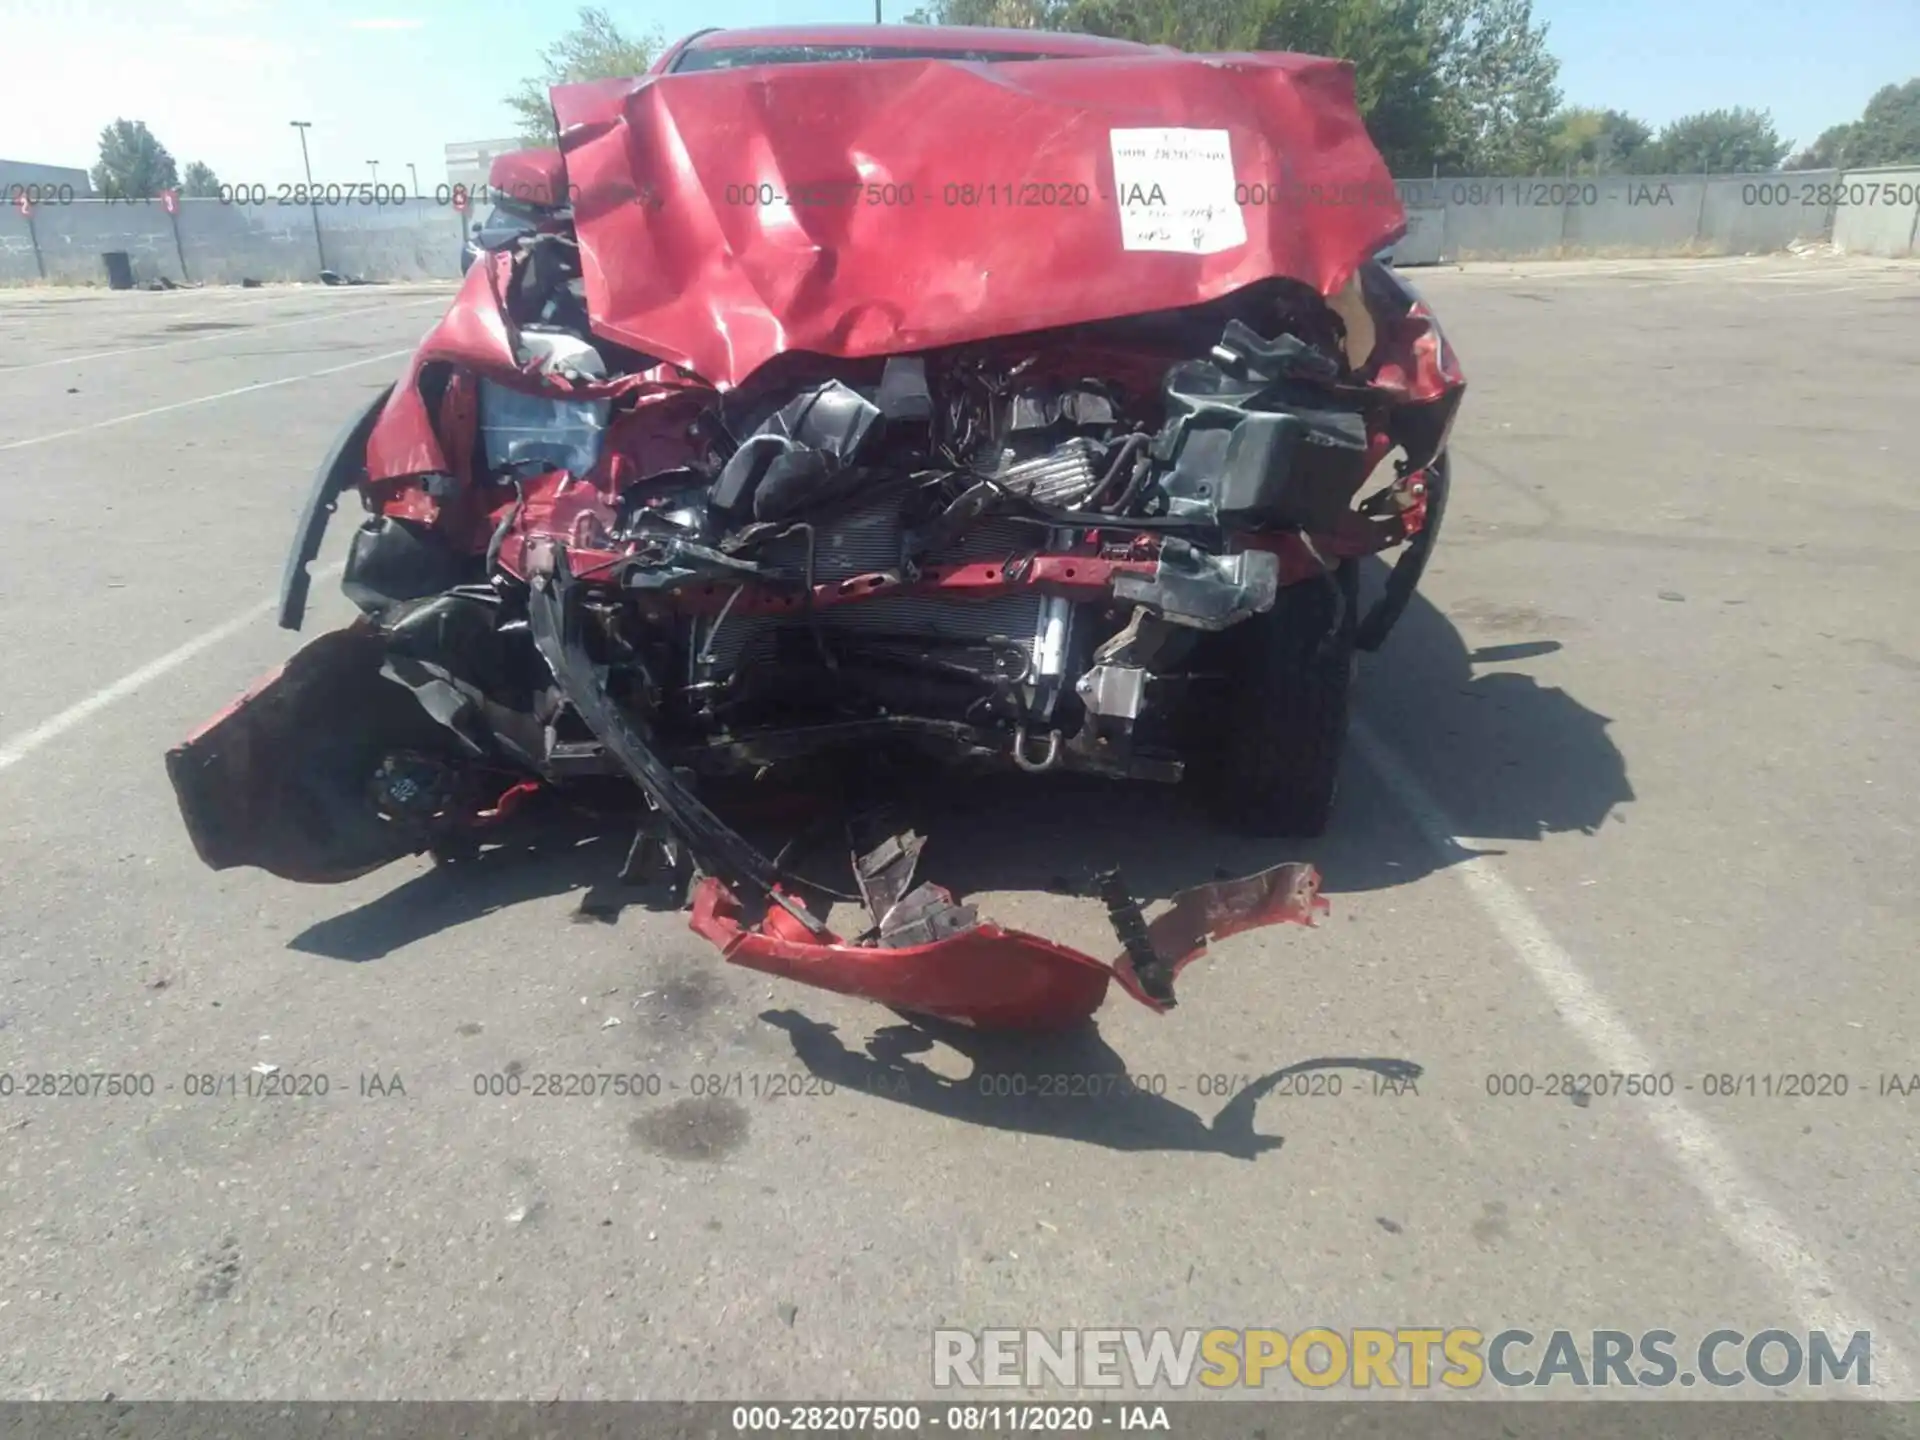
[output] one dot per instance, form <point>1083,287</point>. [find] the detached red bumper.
<point>998,978</point>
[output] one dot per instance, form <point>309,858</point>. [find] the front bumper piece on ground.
<point>1007,979</point>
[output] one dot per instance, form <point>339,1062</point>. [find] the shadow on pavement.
<point>1072,1085</point>
<point>556,862</point>
<point>1509,759</point>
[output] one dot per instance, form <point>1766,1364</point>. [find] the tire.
<point>1283,728</point>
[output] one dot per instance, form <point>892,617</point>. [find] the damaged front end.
<point>630,523</point>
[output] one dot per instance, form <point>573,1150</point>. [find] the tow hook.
<point>1050,760</point>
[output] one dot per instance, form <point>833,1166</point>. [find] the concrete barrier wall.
<point>74,237</point>
<point>212,242</point>
<point>1758,214</point>
<point>1651,215</point>
<point>1879,212</point>
<point>1485,217</point>
<point>1501,218</point>
<point>415,240</point>
<point>226,244</point>
<point>1874,212</point>
<point>16,248</point>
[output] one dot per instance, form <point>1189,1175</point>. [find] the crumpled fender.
<point>995,977</point>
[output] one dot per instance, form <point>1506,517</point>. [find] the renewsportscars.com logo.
<point>1414,1358</point>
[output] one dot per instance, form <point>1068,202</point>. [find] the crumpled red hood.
<point>1013,204</point>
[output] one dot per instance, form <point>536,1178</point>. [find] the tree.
<point>1388,42</point>
<point>1002,14</point>
<point>595,49</point>
<point>1395,53</point>
<point>1826,152</point>
<point>1585,141</point>
<point>133,164</point>
<point>200,182</point>
<point>1456,83</point>
<point>1714,142</point>
<point>1495,78</point>
<point>1887,133</point>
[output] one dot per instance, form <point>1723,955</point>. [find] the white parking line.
<point>239,334</point>
<point>1745,1216</point>
<point>1833,290</point>
<point>204,400</point>
<point>13,751</point>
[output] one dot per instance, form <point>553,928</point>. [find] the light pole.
<point>313,208</point>
<point>374,166</point>
<point>415,187</point>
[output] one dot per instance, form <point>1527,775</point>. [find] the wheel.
<point>1283,721</point>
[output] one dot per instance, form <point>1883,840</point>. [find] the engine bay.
<point>1014,551</point>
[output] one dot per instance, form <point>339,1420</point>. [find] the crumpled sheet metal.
<point>683,261</point>
<point>998,978</point>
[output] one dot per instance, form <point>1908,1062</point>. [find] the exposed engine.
<point>1011,551</point>
<point>846,485</point>
<point>676,490</point>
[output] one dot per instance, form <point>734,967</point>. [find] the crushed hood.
<point>858,209</point>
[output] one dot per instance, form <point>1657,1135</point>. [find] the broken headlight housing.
<point>517,428</point>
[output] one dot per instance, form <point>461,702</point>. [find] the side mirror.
<point>530,180</point>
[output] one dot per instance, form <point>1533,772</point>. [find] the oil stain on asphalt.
<point>1491,1228</point>
<point>703,1127</point>
<point>219,1272</point>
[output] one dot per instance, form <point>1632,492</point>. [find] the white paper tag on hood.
<point>1175,190</point>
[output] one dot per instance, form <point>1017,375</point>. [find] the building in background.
<point>469,161</point>
<point>55,178</point>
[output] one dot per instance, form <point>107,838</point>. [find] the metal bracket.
<point>1047,762</point>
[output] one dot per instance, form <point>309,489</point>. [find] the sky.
<point>395,81</point>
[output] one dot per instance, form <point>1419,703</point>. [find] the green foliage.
<point>1496,90</point>
<point>595,49</point>
<point>1222,25</point>
<point>1887,133</point>
<point>1461,84</point>
<point>200,182</point>
<point>133,164</point>
<point>1714,142</point>
<point>1394,51</point>
<point>1824,153</point>
<point>1585,141</point>
<point>1005,14</point>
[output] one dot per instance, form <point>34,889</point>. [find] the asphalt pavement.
<point>1632,791</point>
